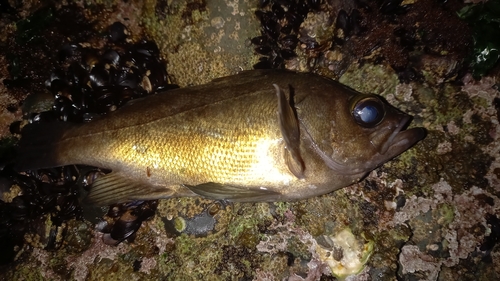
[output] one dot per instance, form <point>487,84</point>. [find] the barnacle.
<point>344,254</point>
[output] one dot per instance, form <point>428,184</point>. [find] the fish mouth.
<point>402,139</point>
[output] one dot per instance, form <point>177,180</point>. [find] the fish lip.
<point>402,139</point>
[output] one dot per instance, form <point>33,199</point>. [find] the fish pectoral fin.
<point>289,127</point>
<point>296,167</point>
<point>218,191</point>
<point>115,188</point>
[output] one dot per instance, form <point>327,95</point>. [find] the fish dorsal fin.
<point>219,191</point>
<point>117,188</point>
<point>289,126</point>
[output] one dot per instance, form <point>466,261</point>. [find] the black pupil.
<point>368,113</point>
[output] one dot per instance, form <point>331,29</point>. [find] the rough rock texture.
<point>431,214</point>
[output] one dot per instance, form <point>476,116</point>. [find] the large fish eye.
<point>368,112</point>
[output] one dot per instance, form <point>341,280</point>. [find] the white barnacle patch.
<point>346,256</point>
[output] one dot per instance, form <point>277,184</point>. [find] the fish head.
<point>360,132</point>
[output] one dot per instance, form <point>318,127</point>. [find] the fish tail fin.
<point>38,146</point>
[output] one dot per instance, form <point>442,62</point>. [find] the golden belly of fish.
<point>261,135</point>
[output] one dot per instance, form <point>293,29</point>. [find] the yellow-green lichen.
<point>368,78</point>
<point>446,214</point>
<point>245,219</point>
<point>203,40</point>
<point>281,208</point>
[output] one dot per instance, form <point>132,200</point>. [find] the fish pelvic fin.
<point>289,127</point>
<point>38,146</point>
<point>116,187</point>
<point>219,191</point>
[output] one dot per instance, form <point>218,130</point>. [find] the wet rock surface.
<point>430,214</point>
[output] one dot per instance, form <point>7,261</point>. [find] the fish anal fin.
<point>115,187</point>
<point>289,127</point>
<point>218,191</point>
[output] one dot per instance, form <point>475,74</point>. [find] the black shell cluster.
<point>47,195</point>
<point>280,22</point>
<point>97,82</point>
<point>127,218</point>
<point>349,24</point>
<point>89,82</point>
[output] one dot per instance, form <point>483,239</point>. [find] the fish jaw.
<point>394,139</point>
<point>404,140</point>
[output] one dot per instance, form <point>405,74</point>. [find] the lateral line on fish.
<point>155,119</point>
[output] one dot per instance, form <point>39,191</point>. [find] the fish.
<point>257,136</point>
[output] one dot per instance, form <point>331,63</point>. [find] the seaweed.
<point>484,19</point>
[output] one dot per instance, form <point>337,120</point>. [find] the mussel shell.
<point>314,4</point>
<point>117,32</point>
<point>99,76</point>
<point>15,127</point>
<point>278,62</point>
<point>289,42</point>
<point>158,76</point>
<point>343,22</point>
<point>278,11</point>
<point>83,98</point>
<point>125,78</point>
<point>58,86</point>
<point>46,116</point>
<point>264,3</point>
<point>287,54</point>
<point>111,56</point>
<point>269,23</point>
<point>264,50</point>
<point>309,43</point>
<point>77,75</point>
<point>124,227</point>
<point>264,63</point>
<point>66,51</point>
<point>393,7</point>
<point>90,57</point>
<point>355,20</point>
<point>57,74</point>
<point>90,177</point>
<point>259,40</point>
